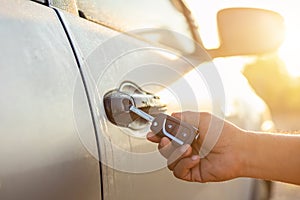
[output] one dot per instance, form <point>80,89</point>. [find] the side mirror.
<point>248,31</point>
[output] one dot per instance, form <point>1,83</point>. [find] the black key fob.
<point>178,131</point>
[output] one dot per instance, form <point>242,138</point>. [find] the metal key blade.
<point>142,114</point>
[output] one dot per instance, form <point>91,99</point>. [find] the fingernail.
<point>195,157</point>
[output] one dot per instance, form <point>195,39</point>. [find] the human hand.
<point>224,160</point>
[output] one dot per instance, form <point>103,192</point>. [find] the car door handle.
<point>118,113</point>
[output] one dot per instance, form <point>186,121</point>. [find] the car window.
<point>143,17</point>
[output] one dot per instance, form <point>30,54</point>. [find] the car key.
<point>164,125</point>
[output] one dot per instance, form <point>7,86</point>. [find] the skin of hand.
<point>237,153</point>
<point>224,161</point>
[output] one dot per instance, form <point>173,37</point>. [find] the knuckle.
<point>171,167</point>
<point>205,114</point>
<point>176,174</point>
<point>188,112</point>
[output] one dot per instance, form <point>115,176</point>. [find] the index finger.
<point>153,137</point>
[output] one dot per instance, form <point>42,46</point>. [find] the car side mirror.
<point>248,31</point>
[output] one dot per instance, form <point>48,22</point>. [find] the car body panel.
<point>43,106</point>
<point>48,146</point>
<point>120,150</point>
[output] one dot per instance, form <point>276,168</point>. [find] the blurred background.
<point>274,77</point>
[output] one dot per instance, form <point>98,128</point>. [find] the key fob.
<point>178,131</point>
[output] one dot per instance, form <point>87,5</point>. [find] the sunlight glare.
<point>205,13</point>
<point>289,51</point>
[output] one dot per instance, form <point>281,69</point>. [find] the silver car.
<point>58,60</point>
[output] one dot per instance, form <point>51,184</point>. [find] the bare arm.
<point>271,157</point>
<point>237,153</point>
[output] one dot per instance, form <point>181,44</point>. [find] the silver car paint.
<point>41,154</point>
<point>159,184</point>
<point>48,147</point>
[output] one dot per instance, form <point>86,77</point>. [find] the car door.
<point>43,107</point>
<point>131,166</point>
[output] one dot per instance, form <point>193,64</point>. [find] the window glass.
<point>143,17</point>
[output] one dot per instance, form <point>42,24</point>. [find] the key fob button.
<point>155,124</point>
<point>179,132</point>
<point>171,127</point>
<point>183,133</point>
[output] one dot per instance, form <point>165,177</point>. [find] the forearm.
<point>271,157</point>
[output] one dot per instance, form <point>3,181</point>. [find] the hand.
<point>223,162</point>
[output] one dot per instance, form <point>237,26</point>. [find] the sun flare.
<point>290,50</point>
<point>205,13</point>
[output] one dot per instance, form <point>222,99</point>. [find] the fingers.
<point>180,160</point>
<point>153,137</point>
<point>188,169</point>
<point>165,147</point>
<point>178,154</point>
<point>173,153</point>
<point>184,161</point>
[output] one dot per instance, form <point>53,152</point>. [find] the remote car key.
<point>165,125</point>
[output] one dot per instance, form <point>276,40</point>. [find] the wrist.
<point>254,154</point>
<point>247,153</point>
